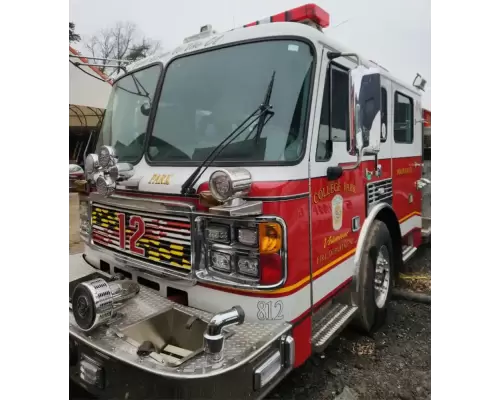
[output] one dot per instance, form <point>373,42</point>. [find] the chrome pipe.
<point>213,337</point>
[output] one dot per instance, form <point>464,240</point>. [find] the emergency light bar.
<point>306,14</point>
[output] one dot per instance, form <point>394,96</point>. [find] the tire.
<point>372,306</point>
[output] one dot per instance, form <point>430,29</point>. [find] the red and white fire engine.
<point>255,192</point>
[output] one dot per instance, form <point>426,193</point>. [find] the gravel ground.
<point>393,364</point>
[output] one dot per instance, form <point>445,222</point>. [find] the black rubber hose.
<point>412,296</point>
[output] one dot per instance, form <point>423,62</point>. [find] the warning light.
<point>304,14</point>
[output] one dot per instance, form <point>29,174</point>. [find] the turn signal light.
<point>270,237</point>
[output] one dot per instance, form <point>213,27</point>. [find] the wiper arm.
<point>137,84</point>
<point>187,186</point>
<point>260,114</point>
<point>266,107</point>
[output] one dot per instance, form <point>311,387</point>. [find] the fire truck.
<point>254,192</point>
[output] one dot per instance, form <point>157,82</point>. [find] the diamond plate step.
<point>328,327</point>
<point>408,252</point>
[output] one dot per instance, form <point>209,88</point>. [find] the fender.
<point>372,216</point>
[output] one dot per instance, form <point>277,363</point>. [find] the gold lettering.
<point>404,171</point>
<point>153,179</point>
<point>331,189</point>
<point>342,246</point>
<point>329,240</point>
<point>349,187</point>
<point>158,179</point>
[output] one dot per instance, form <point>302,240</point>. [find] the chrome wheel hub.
<point>382,277</point>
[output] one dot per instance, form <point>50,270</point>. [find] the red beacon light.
<point>309,14</point>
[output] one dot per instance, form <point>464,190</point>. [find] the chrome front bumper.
<point>248,349</point>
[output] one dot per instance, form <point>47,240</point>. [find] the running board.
<point>327,328</point>
<point>408,252</point>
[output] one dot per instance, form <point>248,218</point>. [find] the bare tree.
<point>120,42</point>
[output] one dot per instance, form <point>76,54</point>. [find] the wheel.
<point>376,278</point>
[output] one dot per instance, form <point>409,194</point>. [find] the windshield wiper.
<point>137,84</point>
<point>260,114</point>
<point>267,107</point>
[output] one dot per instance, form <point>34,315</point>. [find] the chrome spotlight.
<point>91,165</point>
<point>107,156</point>
<point>228,183</point>
<point>105,185</point>
<point>96,301</point>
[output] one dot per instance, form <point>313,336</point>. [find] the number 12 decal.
<point>136,223</point>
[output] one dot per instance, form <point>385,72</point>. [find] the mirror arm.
<point>352,55</point>
<point>357,163</point>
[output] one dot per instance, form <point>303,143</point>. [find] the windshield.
<point>205,96</point>
<point>124,126</point>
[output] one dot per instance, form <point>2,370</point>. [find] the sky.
<point>394,33</point>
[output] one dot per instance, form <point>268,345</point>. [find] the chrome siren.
<point>96,301</point>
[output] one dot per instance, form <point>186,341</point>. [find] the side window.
<point>340,112</point>
<point>403,118</point>
<point>383,107</point>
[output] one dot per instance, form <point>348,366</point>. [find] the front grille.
<point>166,240</point>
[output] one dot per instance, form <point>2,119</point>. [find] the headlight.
<point>220,261</point>
<point>248,237</point>
<point>218,233</point>
<point>91,165</point>
<point>106,156</point>
<point>228,183</point>
<point>248,266</point>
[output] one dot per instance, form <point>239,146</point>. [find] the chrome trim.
<point>408,253</point>
<point>382,278</point>
<point>217,279</point>
<point>311,280</point>
<point>141,266</point>
<point>146,205</point>
<point>244,209</point>
<point>288,350</point>
<point>274,357</point>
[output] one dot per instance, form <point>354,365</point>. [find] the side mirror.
<point>366,91</point>
<point>334,173</point>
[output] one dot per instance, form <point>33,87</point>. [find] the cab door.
<point>337,205</point>
<point>407,161</point>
